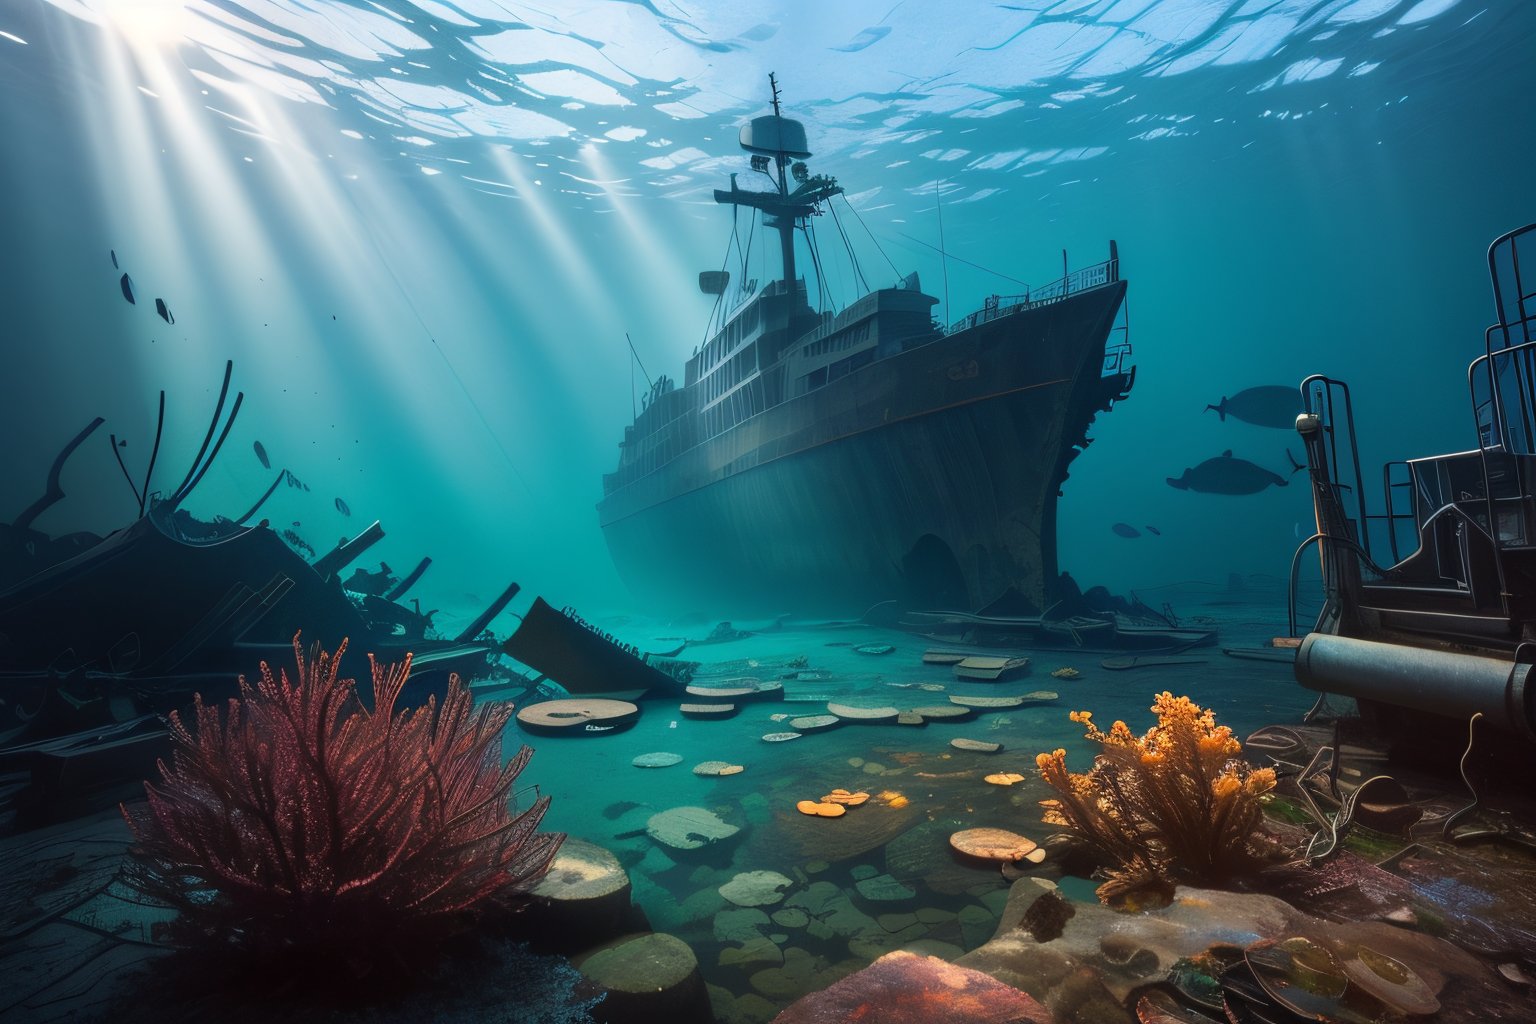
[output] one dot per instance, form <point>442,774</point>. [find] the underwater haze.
<point>422,231</point>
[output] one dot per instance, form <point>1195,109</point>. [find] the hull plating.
<point>930,476</point>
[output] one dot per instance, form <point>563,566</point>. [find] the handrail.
<point>1095,276</point>
<point>1392,515</point>
<point>1325,396</point>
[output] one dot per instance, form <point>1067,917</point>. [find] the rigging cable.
<point>709,325</point>
<point>938,204</point>
<point>848,245</point>
<point>810,245</point>
<point>957,259</point>
<point>452,371</point>
<point>878,247</point>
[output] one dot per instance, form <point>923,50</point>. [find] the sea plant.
<point>1177,804</point>
<point>301,822</point>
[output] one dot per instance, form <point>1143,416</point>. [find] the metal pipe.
<point>349,551</point>
<point>1437,682</point>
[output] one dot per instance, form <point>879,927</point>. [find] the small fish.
<point>297,523</point>
<point>1126,530</point>
<point>1270,405</point>
<point>127,287</point>
<point>1226,475</point>
<point>1154,531</point>
<point>341,507</point>
<point>114,259</point>
<point>122,444</point>
<point>868,37</point>
<point>165,314</point>
<point>261,454</point>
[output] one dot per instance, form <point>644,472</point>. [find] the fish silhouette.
<point>341,507</point>
<point>261,453</point>
<point>114,259</point>
<point>165,314</point>
<point>1154,531</point>
<point>1270,405</point>
<point>1227,475</point>
<point>1126,530</point>
<point>127,287</point>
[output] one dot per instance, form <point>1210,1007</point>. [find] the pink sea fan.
<point>300,820</point>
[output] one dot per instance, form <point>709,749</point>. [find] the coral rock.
<point>904,988</point>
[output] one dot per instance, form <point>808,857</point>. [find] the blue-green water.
<point>422,231</point>
<point>487,196</point>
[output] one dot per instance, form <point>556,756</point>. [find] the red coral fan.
<point>300,821</point>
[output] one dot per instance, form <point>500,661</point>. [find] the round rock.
<point>647,978</point>
<point>992,844</point>
<point>756,888</point>
<point>718,768</point>
<point>578,716</point>
<point>689,828</point>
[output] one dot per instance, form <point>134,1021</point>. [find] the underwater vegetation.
<point>300,824</point>
<point>1174,805</point>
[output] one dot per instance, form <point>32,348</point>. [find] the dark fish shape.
<point>127,287</point>
<point>114,259</point>
<point>341,507</point>
<point>868,37</point>
<point>165,314</point>
<point>261,454</point>
<point>1270,405</point>
<point>1126,530</point>
<point>1226,475</point>
<point>122,444</point>
<point>1154,531</point>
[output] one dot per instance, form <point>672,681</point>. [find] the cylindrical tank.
<point>1438,682</point>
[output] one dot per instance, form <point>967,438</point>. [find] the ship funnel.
<point>772,135</point>
<point>714,282</point>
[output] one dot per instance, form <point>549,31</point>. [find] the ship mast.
<point>779,142</point>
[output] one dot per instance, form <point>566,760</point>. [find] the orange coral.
<point>1177,803</point>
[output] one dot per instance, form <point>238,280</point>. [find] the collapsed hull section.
<point>928,476</point>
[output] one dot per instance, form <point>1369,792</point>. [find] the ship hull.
<point>929,477</point>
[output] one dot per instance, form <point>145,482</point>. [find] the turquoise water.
<point>486,197</point>
<point>423,230</point>
<point>921,788</point>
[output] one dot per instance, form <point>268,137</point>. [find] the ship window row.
<point>742,404</point>
<point>738,329</point>
<point>837,342</point>
<point>668,446</point>
<point>841,368</point>
<point>738,369</point>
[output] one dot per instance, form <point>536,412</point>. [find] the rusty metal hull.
<point>930,476</point>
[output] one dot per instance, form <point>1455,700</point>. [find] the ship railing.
<point>1081,280</point>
